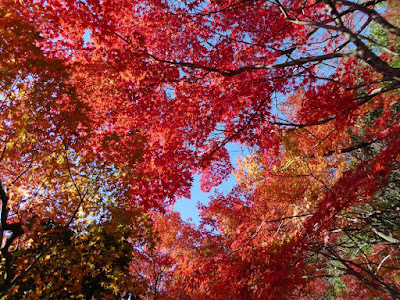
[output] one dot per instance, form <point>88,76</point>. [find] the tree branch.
<point>376,17</point>
<point>16,231</point>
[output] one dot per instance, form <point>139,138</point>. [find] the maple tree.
<point>110,107</point>
<point>54,199</point>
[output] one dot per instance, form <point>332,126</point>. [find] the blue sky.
<point>188,207</point>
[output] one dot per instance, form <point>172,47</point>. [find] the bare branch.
<point>229,73</point>
<point>376,17</point>
<point>262,225</point>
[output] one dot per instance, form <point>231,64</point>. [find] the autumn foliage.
<point>108,109</point>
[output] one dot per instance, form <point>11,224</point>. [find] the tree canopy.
<point>108,109</point>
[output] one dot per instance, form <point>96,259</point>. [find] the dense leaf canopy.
<point>108,109</point>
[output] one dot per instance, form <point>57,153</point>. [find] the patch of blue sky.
<point>87,37</point>
<point>188,208</point>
